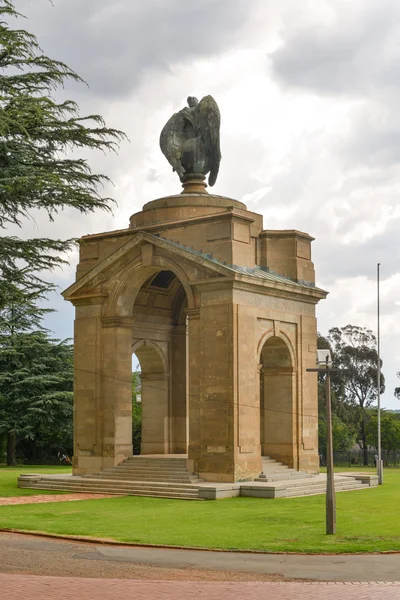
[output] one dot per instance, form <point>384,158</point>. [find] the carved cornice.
<point>88,299</point>
<point>118,321</point>
<point>192,313</point>
<point>179,329</point>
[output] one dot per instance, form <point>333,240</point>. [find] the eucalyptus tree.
<point>356,355</point>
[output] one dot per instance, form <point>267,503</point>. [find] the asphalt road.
<point>25,554</point>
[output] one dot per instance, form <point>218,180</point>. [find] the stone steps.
<point>144,468</point>
<point>121,489</point>
<point>141,460</point>
<point>139,492</point>
<point>282,476</point>
<point>314,482</point>
<point>103,486</point>
<point>80,481</point>
<point>164,473</point>
<point>276,469</point>
<point>318,490</point>
<point>126,476</point>
<point>124,465</point>
<point>292,488</point>
<point>138,476</point>
<point>150,475</point>
<point>272,470</point>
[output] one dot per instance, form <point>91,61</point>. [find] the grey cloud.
<point>242,152</point>
<point>371,144</point>
<point>153,175</point>
<point>113,44</point>
<point>351,56</point>
<point>336,260</point>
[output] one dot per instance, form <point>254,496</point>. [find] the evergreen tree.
<point>36,373</point>
<point>39,141</point>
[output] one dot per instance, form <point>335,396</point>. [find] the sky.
<point>310,135</point>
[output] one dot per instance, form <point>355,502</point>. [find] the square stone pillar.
<point>155,414</point>
<point>212,410</point>
<point>193,388</point>
<point>178,402</point>
<point>102,389</point>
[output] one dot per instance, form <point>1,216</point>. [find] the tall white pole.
<point>330,478</point>
<point>379,465</point>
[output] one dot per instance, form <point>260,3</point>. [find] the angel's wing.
<point>209,121</point>
<point>171,140</point>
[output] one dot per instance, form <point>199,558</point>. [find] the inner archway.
<point>277,411</point>
<point>159,343</point>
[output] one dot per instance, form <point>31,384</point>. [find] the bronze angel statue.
<point>190,139</point>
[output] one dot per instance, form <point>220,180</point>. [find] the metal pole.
<point>379,465</point>
<point>330,483</point>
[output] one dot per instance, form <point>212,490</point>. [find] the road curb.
<point>108,542</point>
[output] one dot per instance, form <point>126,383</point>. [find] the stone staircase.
<point>279,481</point>
<point>273,470</point>
<point>147,468</point>
<point>318,486</point>
<point>168,477</point>
<point>136,476</point>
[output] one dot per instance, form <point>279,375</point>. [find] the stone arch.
<point>285,338</point>
<point>159,338</point>
<point>151,356</point>
<point>123,295</point>
<point>277,398</point>
<point>154,396</point>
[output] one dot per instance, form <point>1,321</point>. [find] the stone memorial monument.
<point>220,314</point>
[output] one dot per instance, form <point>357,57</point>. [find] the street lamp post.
<point>380,462</point>
<point>330,480</point>
<point>324,358</point>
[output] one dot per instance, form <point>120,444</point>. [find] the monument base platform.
<point>167,476</point>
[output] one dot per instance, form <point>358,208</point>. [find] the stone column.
<point>155,413</point>
<point>87,384</point>
<point>261,395</point>
<point>117,389</point>
<point>178,403</point>
<point>308,397</point>
<point>193,387</point>
<point>248,445</point>
<point>102,388</point>
<point>215,406</point>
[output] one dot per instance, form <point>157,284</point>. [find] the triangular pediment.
<point>204,267</point>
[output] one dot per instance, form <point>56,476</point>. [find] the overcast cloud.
<point>309,94</point>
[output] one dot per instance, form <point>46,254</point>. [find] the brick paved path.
<point>52,498</point>
<point>31,587</point>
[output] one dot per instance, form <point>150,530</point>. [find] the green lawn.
<point>9,475</point>
<point>367,521</point>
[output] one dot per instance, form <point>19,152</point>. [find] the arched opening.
<point>159,343</point>
<point>277,429</point>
